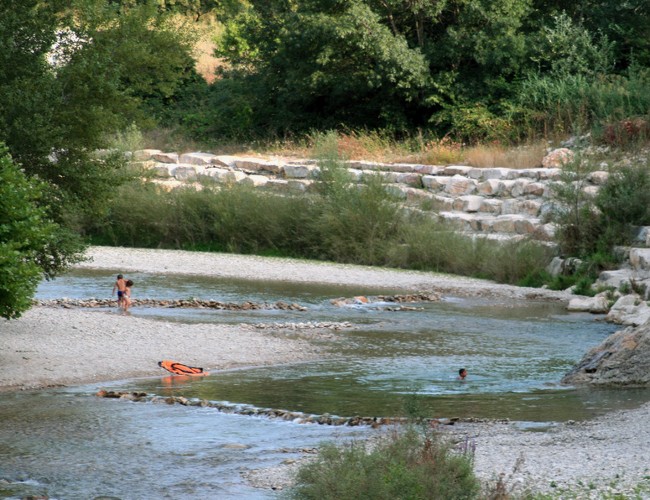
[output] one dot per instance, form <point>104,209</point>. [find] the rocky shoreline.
<point>58,345</point>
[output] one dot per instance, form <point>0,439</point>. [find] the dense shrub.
<point>407,465</point>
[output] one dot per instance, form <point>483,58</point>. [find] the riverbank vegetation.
<point>483,83</point>
<point>341,222</point>
<point>407,464</point>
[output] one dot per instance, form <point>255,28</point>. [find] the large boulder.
<point>623,359</point>
<point>629,310</point>
<point>558,158</point>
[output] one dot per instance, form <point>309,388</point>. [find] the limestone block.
<point>640,258</point>
<point>551,174</point>
<point>356,174</point>
<point>530,207</point>
<point>507,188</point>
<point>443,203</point>
<point>410,179</point>
<point>598,177</point>
<point>389,177</point>
<point>491,206</point>
<point>255,180</point>
<point>280,185</point>
<point>591,190</point>
<point>234,176</point>
<point>218,174</point>
<point>545,232</point>
<point>427,169</point>
<point>504,224</point>
<point>471,203</point>
<point>510,207</point>
<point>530,173</point>
<point>629,310</point>
<point>165,157</point>
<point>458,221</point>
<point>558,158</point>
<point>197,158</point>
<point>298,185</point>
<point>300,171</point>
<point>476,173</point>
<point>162,169</point>
<point>497,173</point>
<point>617,277</point>
<point>415,194</point>
<point>397,191</point>
<point>459,185</point>
<point>401,167</point>
<point>490,187</point>
<point>519,187</point>
<point>555,267</point>
<point>535,189</point>
<point>456,170</point>
<point>435,182</point>
<point>144,154</point>
<point>142,165</point>
<point>481,224</point>
<point>224,161</point>
<point>642,236</point>
<point>595,305</point>
<point>366,165</point>
<point>184,172</point>
<point>526,226</point>
<point>258,165</point>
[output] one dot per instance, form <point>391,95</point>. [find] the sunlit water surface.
<point>67,444</point>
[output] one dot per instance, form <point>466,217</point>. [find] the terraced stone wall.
<point>492,202</point>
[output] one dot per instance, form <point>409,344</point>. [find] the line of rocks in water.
<point>400,299</point>
<point>244,306</point>
<point>308,325</point>
<point>186,304</point>
<point>298,417</point>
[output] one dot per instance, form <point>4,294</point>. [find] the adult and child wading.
<point>123,288</point>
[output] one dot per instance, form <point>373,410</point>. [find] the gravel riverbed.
<point>52,346</point>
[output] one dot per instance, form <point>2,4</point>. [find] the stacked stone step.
<point>491,202</point>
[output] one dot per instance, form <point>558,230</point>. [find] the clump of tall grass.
<point>498,155</point>
<point>407,464</point>
<point>605,104</point>
<point>236,219</point>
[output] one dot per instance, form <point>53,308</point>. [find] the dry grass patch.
<point>496,155</point>
<point>435,152</point>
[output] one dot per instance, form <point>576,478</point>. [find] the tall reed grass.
<point>566,104</point>
<point>361,225</point>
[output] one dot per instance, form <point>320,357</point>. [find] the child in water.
<point>127,295</point>
<point>120,286</point>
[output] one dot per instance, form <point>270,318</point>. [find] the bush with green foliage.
<point>31,245</point>
<point>405,465</point>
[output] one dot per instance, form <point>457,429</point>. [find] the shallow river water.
<point>66,443</point>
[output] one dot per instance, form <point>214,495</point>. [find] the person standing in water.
<point>127,295</point>
<point>120,287</point>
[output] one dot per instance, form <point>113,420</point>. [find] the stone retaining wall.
<point>492,202</point>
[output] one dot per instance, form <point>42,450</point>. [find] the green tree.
<point>71,75</point>
<point>321,64</point>
<point>30,243</point>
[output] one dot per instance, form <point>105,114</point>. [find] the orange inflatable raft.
<point>180,369</point>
